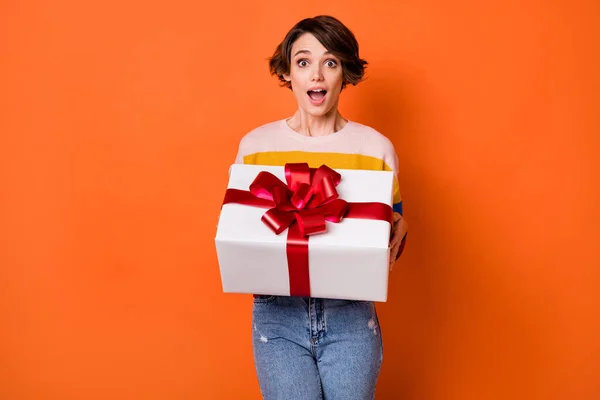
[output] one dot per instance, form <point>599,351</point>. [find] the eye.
<point>331,63</point>
<point>302,63</point>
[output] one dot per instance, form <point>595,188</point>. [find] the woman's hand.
<point>400,228</point>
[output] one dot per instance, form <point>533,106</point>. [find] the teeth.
<point>318,90</point>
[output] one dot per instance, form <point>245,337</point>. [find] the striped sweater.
<point>355,146</point>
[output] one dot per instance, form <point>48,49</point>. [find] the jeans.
<point>310,349</point>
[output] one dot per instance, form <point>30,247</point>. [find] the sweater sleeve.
<point>391,162</point>
<point>243,149</point>
<point>239,158</point>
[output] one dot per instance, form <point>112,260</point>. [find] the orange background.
<point>116,118</point>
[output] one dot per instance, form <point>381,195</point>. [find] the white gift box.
<point>349,261</point>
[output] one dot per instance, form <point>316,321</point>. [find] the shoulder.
<point>375,139</point>
<point>259,139</point>
<point>261,133</point>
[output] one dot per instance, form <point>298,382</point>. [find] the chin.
<point>318,111</point>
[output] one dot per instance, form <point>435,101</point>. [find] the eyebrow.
<point>308,52</point>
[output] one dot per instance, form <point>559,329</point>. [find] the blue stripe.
<point>398,208</point>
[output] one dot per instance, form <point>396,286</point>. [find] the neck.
<point>310,125</point>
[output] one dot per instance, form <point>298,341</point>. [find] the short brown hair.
<point>334,36</point>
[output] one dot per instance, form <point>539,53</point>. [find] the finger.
<point>397,235</point>
<point>394,252</point>
<point>392,259</point>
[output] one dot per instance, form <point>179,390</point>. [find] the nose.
<point>317,74</point>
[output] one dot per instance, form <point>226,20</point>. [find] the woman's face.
<point>316,76</point>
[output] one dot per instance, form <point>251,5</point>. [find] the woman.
<point>311,348</point>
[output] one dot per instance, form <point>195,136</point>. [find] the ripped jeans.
<point>311,349</point>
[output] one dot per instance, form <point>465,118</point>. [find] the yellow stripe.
<point>315,160</point>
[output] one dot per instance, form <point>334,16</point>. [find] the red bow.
<point>309,199</point>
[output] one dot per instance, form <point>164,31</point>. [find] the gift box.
<point>299,231</point>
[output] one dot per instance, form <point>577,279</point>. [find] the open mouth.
<point>317,95</point>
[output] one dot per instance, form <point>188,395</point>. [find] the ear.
<point>286,77</point>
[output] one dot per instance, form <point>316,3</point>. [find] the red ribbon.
<point>303,205</point>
